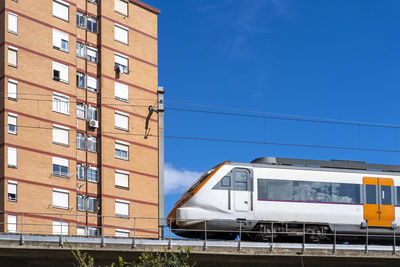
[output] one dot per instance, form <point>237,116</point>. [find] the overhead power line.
<point>224,140</point>
<point>268,115</point>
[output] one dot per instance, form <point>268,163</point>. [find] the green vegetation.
<point>147,259</point>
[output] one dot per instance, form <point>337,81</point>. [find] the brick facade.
<point>33,109</point>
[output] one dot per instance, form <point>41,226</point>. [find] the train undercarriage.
<point>290,232</point>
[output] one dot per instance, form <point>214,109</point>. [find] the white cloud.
<point>178,180</point>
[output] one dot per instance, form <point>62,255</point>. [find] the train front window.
<point>202,178</point>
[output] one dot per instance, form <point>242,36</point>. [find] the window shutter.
<point>12,89</point>
<point>121,233</point>
<point>58,36</point>
<point>121,120</point>
<point>60,161</point>
<point>12,156</point>
<point>12,120</point>
<point>12,57</point>
<point>121,147</point>
<point>92,82</point>
<point>121,60</point>
<point>122,208</point>
<point>12,223</point>
<point>60,199</point>
<point>61,10</point>
<point>60,135</point>
<point>60,228</point>
<point>92,52</point>
<point>12,188</point>
<point>121,34</point>
<point>12,23</point>
<point>122,179</point>
<point>63,69</point>
<point>121,7</point>
<point>121,91</point>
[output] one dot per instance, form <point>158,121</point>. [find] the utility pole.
<point>160,112</point>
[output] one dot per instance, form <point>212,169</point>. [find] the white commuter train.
<point>286,195</point>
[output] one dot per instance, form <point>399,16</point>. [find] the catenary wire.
<point>241,141</point>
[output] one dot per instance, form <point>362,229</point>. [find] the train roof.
<point>330,164</point>
<point>327,165</point>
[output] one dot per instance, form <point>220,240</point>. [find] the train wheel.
<point>317,234</point>
<point>263,232</point>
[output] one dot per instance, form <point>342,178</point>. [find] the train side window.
<point>281,189</point>
<point>345,193</point>
<point>315,192</point>
<point>398,195</point>
<point>226,181</point>
<point>370,191</point>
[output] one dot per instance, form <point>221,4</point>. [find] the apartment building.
<point>77,77</point>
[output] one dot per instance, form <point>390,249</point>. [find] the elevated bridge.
<point>52,250</point>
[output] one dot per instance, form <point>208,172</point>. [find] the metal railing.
<point>103,228</point>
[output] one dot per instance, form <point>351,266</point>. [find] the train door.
<point>242,189</point>
<point>378,204</point>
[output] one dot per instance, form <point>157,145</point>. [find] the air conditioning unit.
<point>93,123</point>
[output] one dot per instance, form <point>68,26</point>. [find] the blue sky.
<point>328,59</point>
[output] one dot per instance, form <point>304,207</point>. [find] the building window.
<point>92,143</point>
<point>60,135</point>
<point>60,228</point>
<point>12,123</point>
<point>121,63</point>
<point>61,9</point>
<point>80,19</point>
<point>121,91</point>
<point>121,6</point>
<point>11,223</point>
<point>80,111</point>
<point>92,113</point>
<point>80,80</point>
<point>121,208</point>
<point>12,89</point>
<point>12,157</point>
<point>81,202</point>
<point>93,174</point>
<point>121,179</point>
<point>121,121</point>
<point>12,23</point>
<point>81,171</point>
<point>80,141</point>
<point>92,54</point>
<point>92,204</point>
<point>12,56</point>
<point>92,24</point>
<point>92,83</point>
<point>60,72</point>
<point>80,50</point>
<point>60,40</point>
<point>60,199</point>
<point>60,167</point>
<point>12,190</point>
<point>121,233</point>
<point>61,103</point>
<point>121,34</point>
<point>121,150</point>
<point>93,231</point>
<point>80,230</point>
<point>93,1</point>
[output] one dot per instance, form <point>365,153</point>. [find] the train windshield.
<point>202,178</point>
